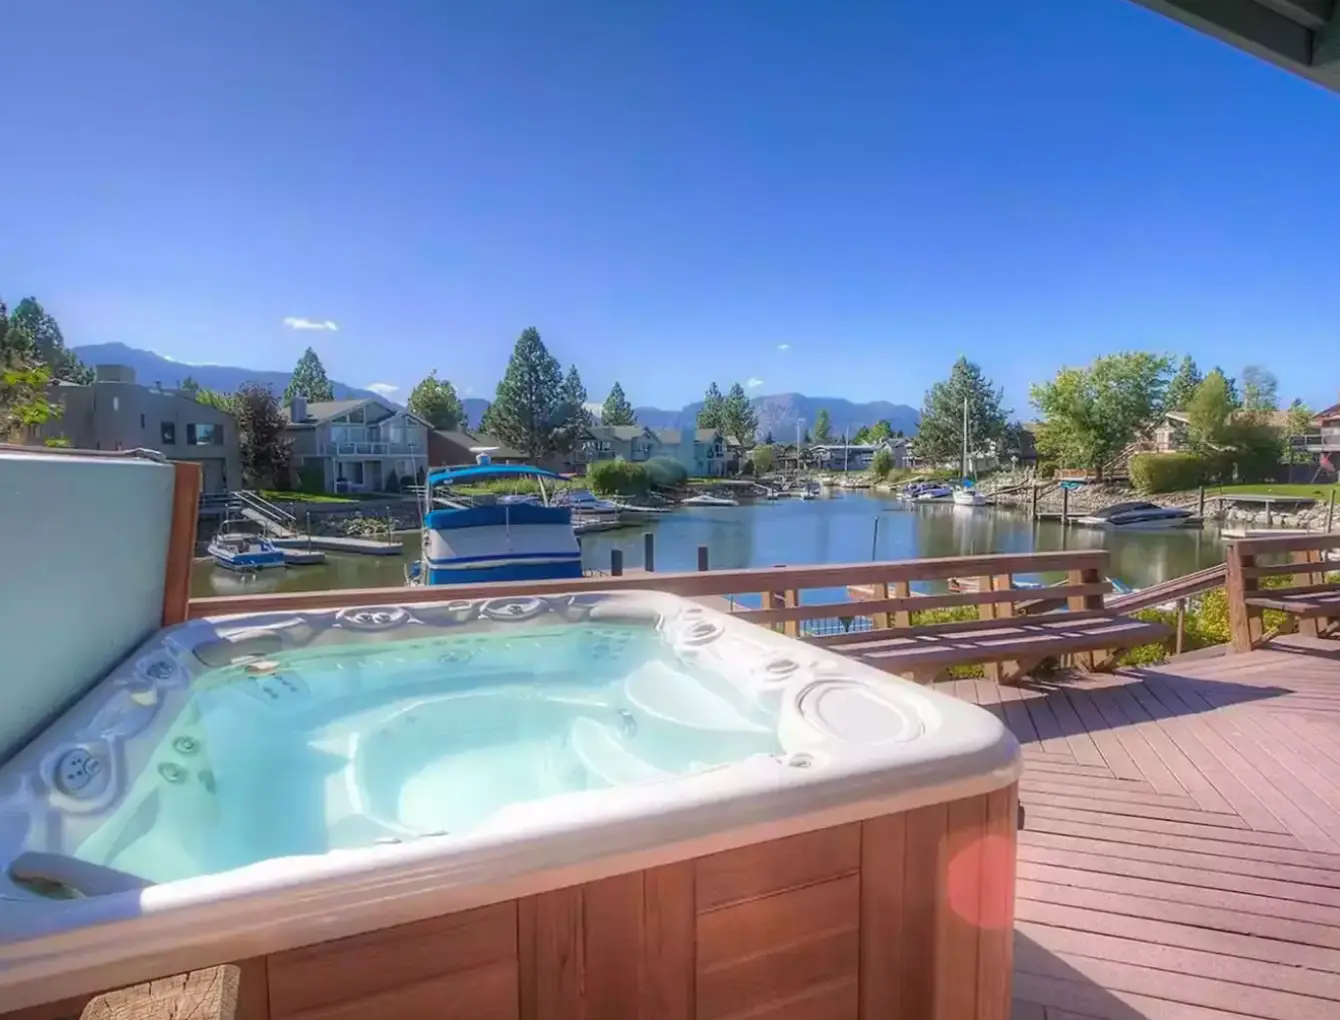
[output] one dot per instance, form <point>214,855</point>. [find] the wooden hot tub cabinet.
<point>901,916</point>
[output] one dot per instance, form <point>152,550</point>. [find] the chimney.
<point>297,409</point>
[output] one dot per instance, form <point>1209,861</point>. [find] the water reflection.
<point>839,530</point>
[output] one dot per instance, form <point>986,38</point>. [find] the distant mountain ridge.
<point>777,414</point>
<point>151,368</point>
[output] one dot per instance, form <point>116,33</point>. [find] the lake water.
<point>837,530</point>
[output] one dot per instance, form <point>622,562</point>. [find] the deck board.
<point>1181,859</point>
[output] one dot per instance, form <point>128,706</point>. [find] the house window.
<point>169,433</point>
<point>204,434</point>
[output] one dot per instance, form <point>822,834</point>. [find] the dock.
<point>303,557</point>
<point>341,544</point>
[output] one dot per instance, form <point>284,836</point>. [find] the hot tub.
<point>611,805</point>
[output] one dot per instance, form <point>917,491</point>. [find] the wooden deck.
<point>1181,856</point>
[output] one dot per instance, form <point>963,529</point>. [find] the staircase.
<point>275,521</point>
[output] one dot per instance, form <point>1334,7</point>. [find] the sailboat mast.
<point>963,473</point>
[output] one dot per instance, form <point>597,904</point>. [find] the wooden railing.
<point>780,587</point>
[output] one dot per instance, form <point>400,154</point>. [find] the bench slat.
<point>1281,569</point>
<point>1050,621</point>
<point>916,603</point>
<point>1308,608</point>
<point>895,655</point>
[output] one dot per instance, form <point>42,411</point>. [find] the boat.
<point>933,493</point>
<point>473,540</point>
<point>966,495</point>
<point>708,500</point>
<point>243,552</point>
<point>640,512</point>
<point>586,503</point>
<point>1141,515</point>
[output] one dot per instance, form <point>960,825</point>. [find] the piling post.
<point>616,562</point>
<point>1200,509</point>
<point>702,557</point>
<point>1033,503</point>
<point>1330,512</point>
<point>1269,519</point>
<point>1065,506</point>
<point>649,551</point>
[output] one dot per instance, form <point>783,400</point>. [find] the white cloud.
<point>382,389</point>
<point>783,347</point>
<point>297,322</point>
<point>753,383</point>
<point>468,391</point>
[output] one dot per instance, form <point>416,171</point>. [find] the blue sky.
<point>834,198</point>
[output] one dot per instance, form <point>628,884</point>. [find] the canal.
<point>842,529</point>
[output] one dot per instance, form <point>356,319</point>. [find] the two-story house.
<point>619,442</point>
<point>357,445</point>
<point>116,413</point>
<point>702,452</point>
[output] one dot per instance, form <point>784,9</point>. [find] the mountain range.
<point>778,414</point>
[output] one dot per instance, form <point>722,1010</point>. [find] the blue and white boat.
<point>244,553</point>
<point>471,540</point>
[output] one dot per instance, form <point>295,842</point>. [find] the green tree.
<point>261,424</point>
<point>940,432</point>
<point>879,432</point>
<point>23,398</point>
<point>711,416</point>
<point>1232,383</point>
<point>1260,389</point>
<point>617,410</point>
<point>739,421</point>
<point>309,380</point>
<point>574,396</point>
<point>764,458</point>
<point>1183,385</point>
<point>529,405</point>
<point>1209,414</point>
<point>46,337</point>
<point>881,464</point>
<point>213,398</point>
<point>1298,424</point>
<point>435,401</point>
<point>1091,414</point>
<point>188,387</point>
<point>823,426</point>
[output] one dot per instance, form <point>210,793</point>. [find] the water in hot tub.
<point>343,748</point>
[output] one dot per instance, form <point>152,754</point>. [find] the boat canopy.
<point>483,472</point>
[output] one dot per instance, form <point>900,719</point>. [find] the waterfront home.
<point>702,452</point>
<point>619,442</point>
<point>857,456</point>
<point>114,412</point>
<point>357,445</point>
<point>462,446</point>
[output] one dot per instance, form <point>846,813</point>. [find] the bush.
<point>881,464</point>
<point>392,483</point>
<point>617,477</point>
<point>406,482</point>
<point>312,479</point>
<point>665,473</point>
<point>1169,472</point>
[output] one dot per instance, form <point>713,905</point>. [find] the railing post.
<point>1181,622</point>
<point>1330,512</point>
<point>649,552</point>
<point>702,557</point>
<point>1244,626</point>
<point>616,562</point>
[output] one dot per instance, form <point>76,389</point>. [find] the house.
<point>356,445</point>
<point>858,456</point>
<point>452,449</point>
<point>619,442</point>
<point>116,413</point>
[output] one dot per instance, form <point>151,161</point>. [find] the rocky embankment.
<point>1089,498</point>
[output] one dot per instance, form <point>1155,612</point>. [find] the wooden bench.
<point>1004,641</point>
<point>1310,600</point>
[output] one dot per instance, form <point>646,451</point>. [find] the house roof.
<point>623,433</point>
<point>323,410</point>
<point>706,435</point>
<point>1328,412</point>
<point>471,440</point>
<point>668,437</point>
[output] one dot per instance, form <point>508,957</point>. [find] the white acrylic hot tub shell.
<point>859,744</point>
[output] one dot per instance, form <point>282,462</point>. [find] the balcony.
<point>1326,440</point>
<point>374,449</point>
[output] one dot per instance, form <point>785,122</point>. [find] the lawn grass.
<point>285,496</point>
<point>1300,491</point>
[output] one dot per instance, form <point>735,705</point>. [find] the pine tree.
<point>1183,385</point>
<point>940,430</point>
<point>714,406</point>
<point>309,380</point>
<point>435,401</point>
<point>617,410</point>
<point>529,407</point>
<point>823,426</point>
<point>48,343</point>
<point>574,396</point>
<point>739,421</point>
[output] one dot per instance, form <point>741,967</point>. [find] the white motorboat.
<point>638,512</point>
<point>968,497</point>
<point>244,553</point>
<point>1137,514</point>
<point>584,502</point>
<point>707,500</point>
